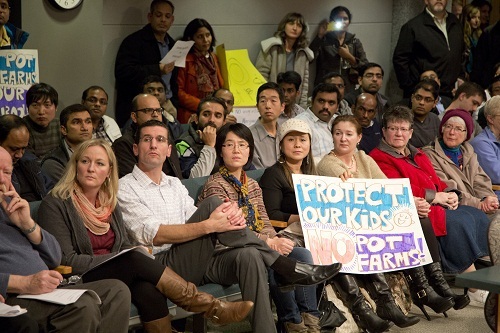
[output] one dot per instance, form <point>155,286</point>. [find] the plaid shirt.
<point>100,132</point>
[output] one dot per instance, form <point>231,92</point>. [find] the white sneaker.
<point>478,296</point>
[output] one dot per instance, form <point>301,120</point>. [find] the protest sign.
<point>368,225</point>
<point>240,75</point>
<point>18,72</point>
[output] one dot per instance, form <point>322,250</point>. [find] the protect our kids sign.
<point>368,225</point>
<point>18,72</point>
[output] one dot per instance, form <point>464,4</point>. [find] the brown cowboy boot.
<point>186,295</point>
<point>161,325</point>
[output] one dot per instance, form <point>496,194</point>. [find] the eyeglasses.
<point>159,138</point>
<point>150,111</point>
<point>94,100</point>
<point>397,129</point>
<point>371,75</point>
<point>230,146</point>
<point>4,6</point>
<point>449,127</point>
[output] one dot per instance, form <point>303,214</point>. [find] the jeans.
<point>290,304</point>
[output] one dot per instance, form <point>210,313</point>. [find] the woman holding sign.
<point>279,197</point>
<point>82,213</point>
<point>297,310</point>
<point>461,230</point>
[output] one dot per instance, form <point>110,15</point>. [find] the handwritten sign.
<point>247,116</point>
<point>178,53</point>
<point>18,72</point>
<point>368,225</point>
<point>240,75</point>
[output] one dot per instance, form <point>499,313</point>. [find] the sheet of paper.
<point>178,53</point>
<point>62,296</point>
<point>137,248</point>
<point>11,311</point>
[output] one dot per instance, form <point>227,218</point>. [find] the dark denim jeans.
<point>290,304</point>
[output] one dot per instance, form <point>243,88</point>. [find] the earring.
<point>281,159</point>
<point>307,160</point>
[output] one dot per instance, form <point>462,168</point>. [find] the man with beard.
<point>144,107</point>
<point>196,146</point>
<point>95,99</point>
<point>338,81</point>
<point>370,81</point>
<point>319,116</point>
<point>425,123</point>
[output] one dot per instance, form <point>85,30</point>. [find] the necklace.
<point>353,160</point>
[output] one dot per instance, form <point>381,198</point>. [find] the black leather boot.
<point>362,313</point>
<point>293,273</point>
<point>386,306</point>
<point>441,286</point>
<point>423,294</point>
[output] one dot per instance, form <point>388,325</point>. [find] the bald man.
<point>365,112</point>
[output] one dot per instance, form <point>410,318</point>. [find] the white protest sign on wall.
<point>368,225</point>
<point>18,72</point>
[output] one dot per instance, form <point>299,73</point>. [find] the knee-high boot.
<point>423,294</point>
<point>362,313</point>
<point>441,286</point>
<point>186,295</point>
<point>386,306</point>
<point>161,325</point>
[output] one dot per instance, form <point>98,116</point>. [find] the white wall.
<point>78,48</point>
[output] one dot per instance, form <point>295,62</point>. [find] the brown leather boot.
<point>161,325</point>
<point>311,322</point>
<point>186,295</point>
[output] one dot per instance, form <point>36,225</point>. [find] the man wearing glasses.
<point>95,99</point>
<point>425,123</point>
<point>144,107</point>
<point>196,146</point>
<point>370,80</point>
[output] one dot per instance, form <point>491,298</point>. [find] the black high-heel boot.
<point>441,286</point>
<point>362,313</point>
<point>423,294</point>
<point>386,306</point>
<point>291,273</point>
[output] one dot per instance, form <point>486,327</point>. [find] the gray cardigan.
<point>61,219</point>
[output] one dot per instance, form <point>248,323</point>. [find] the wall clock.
<point>65,4</point>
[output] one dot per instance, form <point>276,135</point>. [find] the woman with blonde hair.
<point>83,214</point>
<point>472,31</point>
<point>287,51</point>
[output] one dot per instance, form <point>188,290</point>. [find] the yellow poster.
<point>240,75</point>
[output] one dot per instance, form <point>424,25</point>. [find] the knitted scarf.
<point>252,216</point>
<point>96,218</point>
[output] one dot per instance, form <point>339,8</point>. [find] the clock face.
<point>66,4</point>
